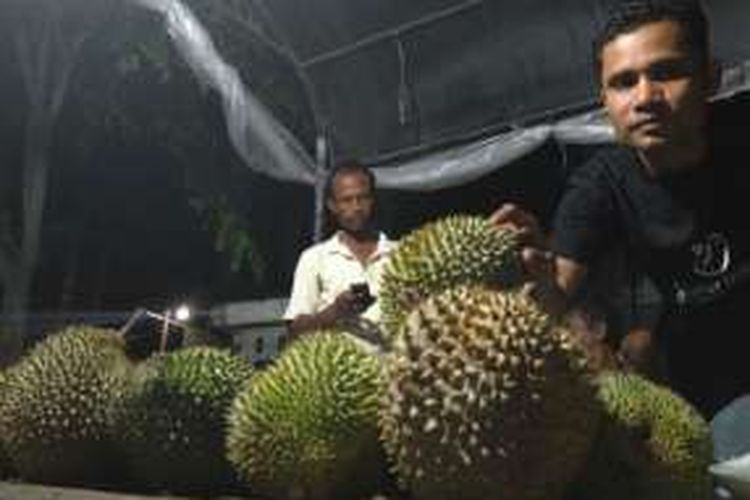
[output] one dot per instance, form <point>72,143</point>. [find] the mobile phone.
<point>362,295</point>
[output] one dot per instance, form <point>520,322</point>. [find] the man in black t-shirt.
<point>671,197</point>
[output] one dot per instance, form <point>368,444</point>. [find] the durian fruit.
<point>487,398</point>
<point>58,405</point>
<point>173,420</point>
<point>653,444</point>
<point>456,250</point>
<point>306,427</point>
<point>5,464</point>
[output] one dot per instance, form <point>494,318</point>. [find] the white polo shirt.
<point>327,269</point>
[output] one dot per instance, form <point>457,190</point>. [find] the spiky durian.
<point>306,428</point>
<point>653,444</point>
<point>173,422</point>
<point>486,398</point>
<point>58,406</point>
<point>456,250</point>
<point>5,465</point>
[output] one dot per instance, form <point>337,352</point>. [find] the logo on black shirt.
<point>711,256</point>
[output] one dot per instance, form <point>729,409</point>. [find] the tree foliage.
<point>46,37</point>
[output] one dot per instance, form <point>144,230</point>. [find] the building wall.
<point>257,327</point>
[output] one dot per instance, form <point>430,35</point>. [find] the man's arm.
<point>569,274</point>
<point>304,314</point>
<point>637,350</point>
<point>346,305</point>
<point>553,278</point>
<point>305,296</point>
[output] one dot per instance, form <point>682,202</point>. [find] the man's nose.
<point>647,93</point>
<point>360,201</point>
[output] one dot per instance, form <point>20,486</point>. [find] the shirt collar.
<point>334,245</point>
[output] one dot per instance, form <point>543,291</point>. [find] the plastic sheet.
<point>267,147</point>
<point>260,140</point>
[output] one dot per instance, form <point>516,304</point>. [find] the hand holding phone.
<point>362,297</point>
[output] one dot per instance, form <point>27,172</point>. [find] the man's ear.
<point>330,205</point>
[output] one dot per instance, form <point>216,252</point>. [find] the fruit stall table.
<point>16,491</point>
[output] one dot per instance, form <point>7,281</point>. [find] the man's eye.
<point>669,70</point>
<point>623,81</point>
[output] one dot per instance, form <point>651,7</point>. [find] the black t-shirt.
<point>689,232</point>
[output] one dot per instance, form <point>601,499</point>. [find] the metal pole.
<point>164,332</point>
<point>322,158</point>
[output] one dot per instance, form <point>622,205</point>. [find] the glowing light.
<point>183,313</point>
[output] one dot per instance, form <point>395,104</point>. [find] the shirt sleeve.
<point>305,294</point>
<point>584,220</point>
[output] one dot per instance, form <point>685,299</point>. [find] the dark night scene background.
<point>120,187</point>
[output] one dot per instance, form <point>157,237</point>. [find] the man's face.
<point>653,88</point>
<point>352,201</point>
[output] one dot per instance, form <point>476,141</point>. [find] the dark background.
<point>134,147</point>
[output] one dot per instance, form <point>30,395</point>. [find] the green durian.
<point>456,250</point>
<point>5,464</point>
<point>487,398</point>
<point>58,407</point>
<point>306,427</point>
<point>653,444</point>
<point>173,421</point>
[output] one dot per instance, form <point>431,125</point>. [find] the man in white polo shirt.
<point>336,282</point>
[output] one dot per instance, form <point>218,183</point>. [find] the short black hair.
<point>347,167</point>
<point>626,16</point>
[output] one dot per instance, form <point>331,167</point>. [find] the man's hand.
<point>345,307</point>
<point>513,217</point>
<point>350,302</point>
<point>637,351</point>
<point>590,334</point>
<point>538,262</point>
